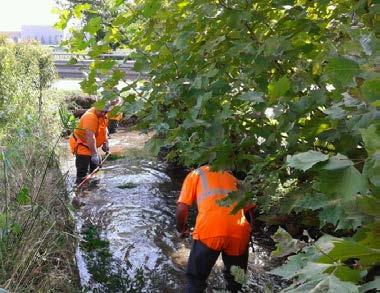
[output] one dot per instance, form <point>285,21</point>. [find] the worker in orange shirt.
<point>216,229</point>
<point>114,118</point>
<point>113,122</point>
<point>90,134</point>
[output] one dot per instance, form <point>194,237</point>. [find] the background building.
<point>46,35</point>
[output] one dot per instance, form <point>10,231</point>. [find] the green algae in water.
<point>115,156</point>
<point>106,271</point>
<point>127,185</point>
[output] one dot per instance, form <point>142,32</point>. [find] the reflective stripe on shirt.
<point>206,190</point>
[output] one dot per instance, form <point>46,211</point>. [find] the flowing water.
<point>126,226</point>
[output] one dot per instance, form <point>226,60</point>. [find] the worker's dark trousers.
<point>201,261</point>
<point>112,125</point>
<point>82,163</point>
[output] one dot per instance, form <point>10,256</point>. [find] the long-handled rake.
<point>93,172</point>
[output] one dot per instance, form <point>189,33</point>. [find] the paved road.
<point>77,70</point>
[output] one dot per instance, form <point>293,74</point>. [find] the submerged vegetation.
<point>110,274</point>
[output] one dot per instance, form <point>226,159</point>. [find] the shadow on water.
<point>128,241</point>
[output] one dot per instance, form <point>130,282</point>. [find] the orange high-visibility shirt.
<point>205,188</point>
<point>88,121</point>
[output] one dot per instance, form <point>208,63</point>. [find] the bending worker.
<point>90,134</point>
<point>216,230</point>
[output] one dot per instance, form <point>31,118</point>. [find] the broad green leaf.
<point>342,71</point>
<point>375,284</point>
<point>275,46</point>
<point>369,235</point>
<point>212,73</point>
<point>278,88</point>
<point>197,84</point>
<point>346,274</point>
<point>312,201</point>
<point>337,162</point>
<point>292,266</point>
<point>333,285</point>
<point>330,214</point>
<point>97,50</point>
<point>151,7</point>
<point>371,90</point>
<point>371,170</point>
<point>140,65</point>
<point>346,249</point>
<point>335,112</point>
<point>64,17</point>
<point>285,244</point>
<point>370,205</point>
<point>89,86</point>
<point>93,25</point>
<point>345,182</point>
<point>154,145</point>
<point>371,138</point>
<point>103,64</point>
<point>183,40</point>
<point>23,196</point>
<point>113,81</point>
<point>313,268</point>
<point>78,9</point>
<point>195,111</point>
<point>304,161</point>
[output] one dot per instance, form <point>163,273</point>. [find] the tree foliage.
<point>285,91</point>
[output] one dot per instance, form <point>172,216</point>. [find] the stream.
<point>126,226</point>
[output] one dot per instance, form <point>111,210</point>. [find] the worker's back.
<point>214,220</point>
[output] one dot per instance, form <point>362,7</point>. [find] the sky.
<point>14,13</point>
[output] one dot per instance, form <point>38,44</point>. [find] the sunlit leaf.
<point>278,88</point>
<point>304,161</point>
<point>93,25</point>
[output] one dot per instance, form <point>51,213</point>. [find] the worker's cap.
<point>103,107</point>
<point>107,107</point>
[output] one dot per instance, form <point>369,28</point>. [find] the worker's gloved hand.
<point>106,147</point>
<point>95,159</point>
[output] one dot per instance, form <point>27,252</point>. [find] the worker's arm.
<point>91,142</point>
<point>105,146</point>
<point>182,213</point>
